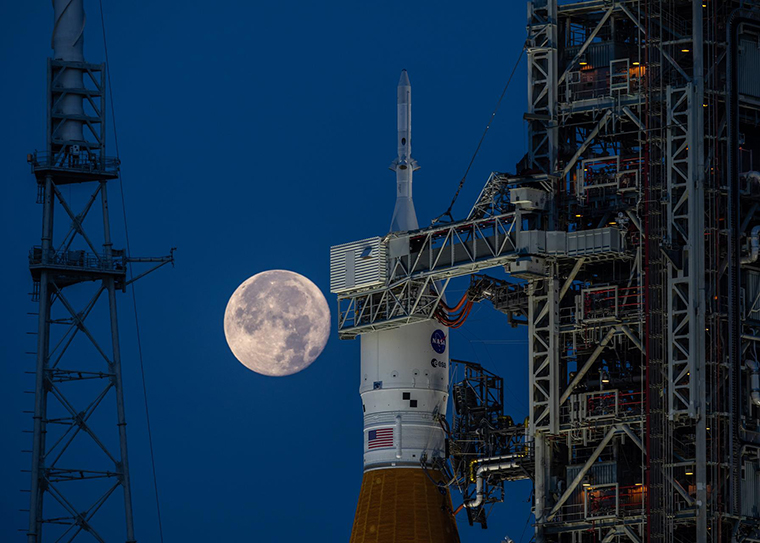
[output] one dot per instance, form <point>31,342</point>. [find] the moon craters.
<point>277,323</point>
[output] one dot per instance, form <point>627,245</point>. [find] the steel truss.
<point>643,422</point>
<point>78,377</point>
<point>542,73</point>
<point>421,264</point>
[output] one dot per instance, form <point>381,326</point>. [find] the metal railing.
<point>79,260</point>
<point>609,303</point>
<point>601,501</point>
<point>82,161</point>
<point>601,82</point>
<point>592,408</point>
<point>604,501</point>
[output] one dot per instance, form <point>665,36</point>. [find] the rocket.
<point>404,393</point>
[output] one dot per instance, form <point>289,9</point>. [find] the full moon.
<point>277,323</point>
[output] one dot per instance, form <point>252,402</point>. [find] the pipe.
<point>746,446</point>
<point>480,475</point>
<point>754,394</point>
<point>754,250</point>
<point>492,459</point>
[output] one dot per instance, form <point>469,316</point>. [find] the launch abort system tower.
<point>630,235</point>
<point>78,459</point>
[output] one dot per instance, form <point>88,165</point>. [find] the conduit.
<point>447,315</point>
<point>457,307</point>
<point>492,460</point>
<point>480,476</point>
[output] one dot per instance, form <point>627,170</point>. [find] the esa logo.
<point>438,363</point>
<point>438,341</point>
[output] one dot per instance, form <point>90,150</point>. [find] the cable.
<point>131,275</point>
<point>526,520</point>
<point>447,213</point>
<point>456,307</point>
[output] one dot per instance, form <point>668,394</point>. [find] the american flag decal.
<point>378,439</point>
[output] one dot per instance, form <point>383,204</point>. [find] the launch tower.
<point>630,235</point>
<point>79,452</point>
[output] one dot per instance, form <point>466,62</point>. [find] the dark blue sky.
<point>254,136</point>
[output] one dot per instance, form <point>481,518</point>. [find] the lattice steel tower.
<point>630,235</point>
<point>78,458</point>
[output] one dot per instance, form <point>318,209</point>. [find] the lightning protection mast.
<point>78,461</point>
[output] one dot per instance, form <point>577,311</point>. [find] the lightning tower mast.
<point>78,460</point>
<point>630,235</point>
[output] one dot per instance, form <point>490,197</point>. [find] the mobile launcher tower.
<point>630,235</point>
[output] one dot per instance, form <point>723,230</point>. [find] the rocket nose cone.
<point>404,79</point>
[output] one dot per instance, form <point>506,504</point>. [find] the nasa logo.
<point>438,363</point>
<point>438,341</point>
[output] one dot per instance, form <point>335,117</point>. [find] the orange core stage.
<point>403,505</point>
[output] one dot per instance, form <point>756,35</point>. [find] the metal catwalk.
<point>631,240</point>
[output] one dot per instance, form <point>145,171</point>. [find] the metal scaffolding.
<point>631,235</point>
<point>76,273</point>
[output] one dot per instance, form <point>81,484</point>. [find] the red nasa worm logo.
<point>438,341</point>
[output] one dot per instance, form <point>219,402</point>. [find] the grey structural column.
<point>40,389</point>
<point>116,370</point>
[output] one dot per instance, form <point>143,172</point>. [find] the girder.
<point>78,372</point>
<point>641,351</point>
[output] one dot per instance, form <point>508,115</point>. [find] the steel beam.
<point>583,370</point>
<point>589,140</point>
<point>40,389</point>
<point>542,84</point>
<point>697,272</point>
<point>615,430</point>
